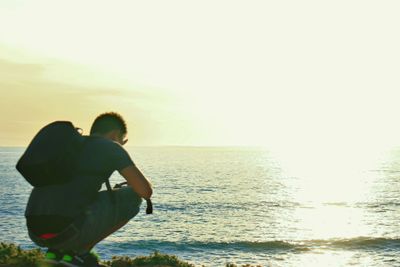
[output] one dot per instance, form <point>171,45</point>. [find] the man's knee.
<point>128,202</point>
<point>128,194</point>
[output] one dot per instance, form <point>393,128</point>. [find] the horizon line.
<point>192,146</point>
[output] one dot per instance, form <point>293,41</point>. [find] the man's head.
<point>110,125</point>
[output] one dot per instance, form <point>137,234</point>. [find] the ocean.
<point>221,205</point>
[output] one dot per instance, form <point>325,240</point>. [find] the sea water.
<point>214,206</point>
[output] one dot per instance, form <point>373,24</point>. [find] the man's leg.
<point>112,230</point>
<point>103,218</point>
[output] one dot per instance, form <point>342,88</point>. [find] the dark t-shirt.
<point>50,209</point>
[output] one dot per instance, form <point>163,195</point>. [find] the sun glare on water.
<point>328,185</point>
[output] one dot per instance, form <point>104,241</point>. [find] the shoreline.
<point>12,255</point>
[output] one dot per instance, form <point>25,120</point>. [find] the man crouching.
<point>71,218</point>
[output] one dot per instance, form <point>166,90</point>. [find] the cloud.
<point>29,101</point>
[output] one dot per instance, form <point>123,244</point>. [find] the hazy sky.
<point>320,74</point>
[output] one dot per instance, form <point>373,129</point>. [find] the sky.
<point>317,75</point>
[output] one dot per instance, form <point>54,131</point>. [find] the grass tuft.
<point>155,259</point>
<point>13,255</point>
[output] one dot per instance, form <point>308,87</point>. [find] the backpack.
<point>52,154</point>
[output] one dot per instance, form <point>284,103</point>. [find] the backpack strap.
<point>111,193</point>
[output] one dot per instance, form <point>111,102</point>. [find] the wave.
<point>356,243</point>
<point>277,246</point>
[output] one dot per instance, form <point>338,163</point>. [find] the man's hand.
<point>137,181</point>
<point>149,204</point>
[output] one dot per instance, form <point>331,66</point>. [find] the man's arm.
<point>137,181</point>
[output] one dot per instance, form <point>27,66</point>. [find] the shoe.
<point>89,259</point>
<point>52,257</point>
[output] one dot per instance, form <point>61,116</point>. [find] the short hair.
<point>107,122</point>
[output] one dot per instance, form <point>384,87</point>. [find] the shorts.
<point>98,220</point>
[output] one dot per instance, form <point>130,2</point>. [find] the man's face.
<point>121,138</point>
